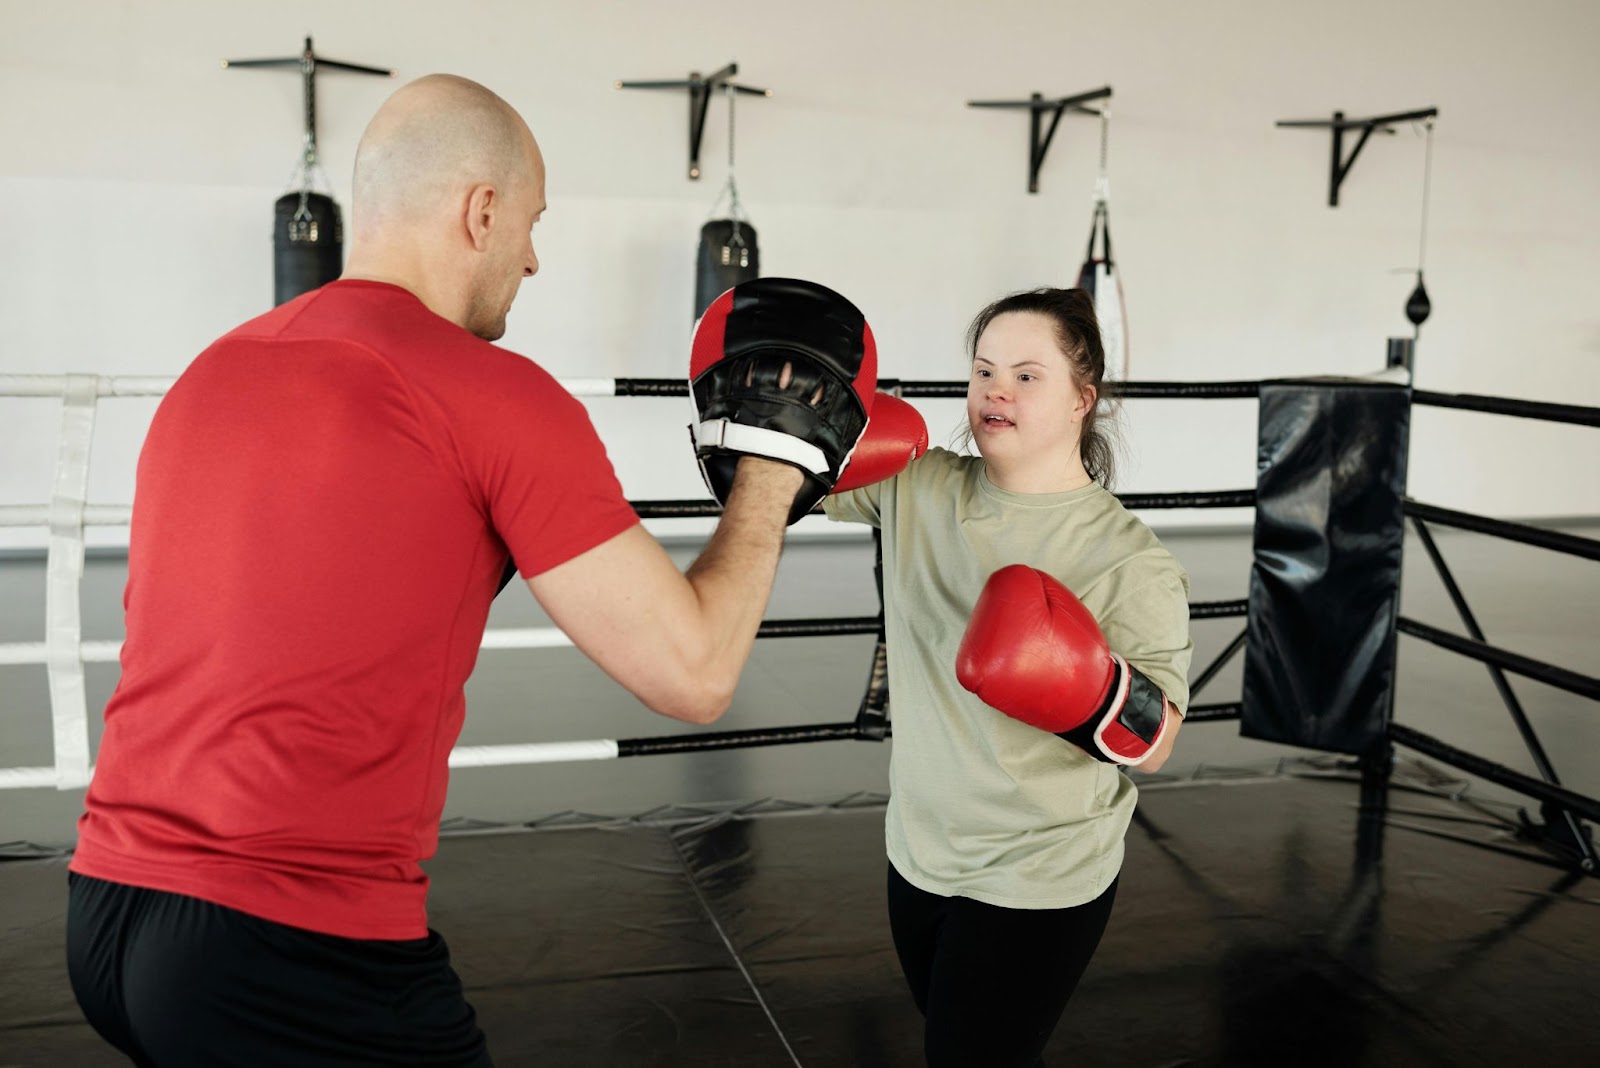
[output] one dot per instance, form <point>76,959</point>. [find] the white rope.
<point>38,515</point>
<point>462,756</point>
<point>119,515</point>
<point>589,387</point>
<point>64,652</point>
<point>491,756</point>
<point>155,385</point>
<point>69,708</point>
<point>26,778</point>
<point>525,638</point>
<point>13,654</point>
<point>105,385</point>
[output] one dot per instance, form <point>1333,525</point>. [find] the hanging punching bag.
<point>1098,277</point>
<point>728,255</point>
<point>307,244</point>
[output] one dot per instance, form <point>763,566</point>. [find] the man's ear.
<point>482,204</point>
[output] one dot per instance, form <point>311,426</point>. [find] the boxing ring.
<point>785,961</point>
<point>64,650</point>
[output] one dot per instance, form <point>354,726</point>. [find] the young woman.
<point>1005,840</point>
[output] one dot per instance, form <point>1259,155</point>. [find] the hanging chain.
<point>1102,183</point>
<point>1427,182</point>
<point>736,245</point>
<point>729,89</point>
<point>735,209</point>
<point>303,224</point>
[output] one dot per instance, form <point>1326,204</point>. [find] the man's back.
<point>316,538</point>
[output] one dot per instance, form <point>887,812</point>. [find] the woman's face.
<point>1023,403</point>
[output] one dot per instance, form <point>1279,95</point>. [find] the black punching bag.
<point>307,244</point>
<point>728,255</point>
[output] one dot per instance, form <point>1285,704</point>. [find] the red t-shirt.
<point>325,503</point>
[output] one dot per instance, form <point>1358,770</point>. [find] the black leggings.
<point>991,982</point>
<point>173,980</point>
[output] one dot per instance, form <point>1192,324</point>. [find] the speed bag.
<point>307,244</point>
<point>722,262</point>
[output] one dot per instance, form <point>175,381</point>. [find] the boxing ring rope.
<point>64,651</point>
<point>1526,409</point>
<point>105,385</point>
<point>1571,681</point>
<point>698,509</point>
<point>1562,807</point>
<point>1572,544</point>
<point>1575,803</point>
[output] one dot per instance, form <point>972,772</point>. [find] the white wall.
<point>136,181</point>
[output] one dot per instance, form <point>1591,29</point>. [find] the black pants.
<point>991,982</point>
<point>172,980</point>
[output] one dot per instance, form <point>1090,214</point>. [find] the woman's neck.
<point>1036,477</point>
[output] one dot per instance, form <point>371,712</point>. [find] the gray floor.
<point>1534,602</point>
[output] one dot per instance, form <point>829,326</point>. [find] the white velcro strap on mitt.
<point>759,441</point>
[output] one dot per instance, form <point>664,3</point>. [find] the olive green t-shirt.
<point>982,805</point>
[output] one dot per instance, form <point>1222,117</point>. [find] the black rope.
<point>1171,390</point>
<point>678,387</point>
<point>651,387</point>
<point>818,628</point>
<point>698,509</point>
<point>1472,402</point>
<point>1588,548</point>
<point>1571,681</point>
<point>1209,499</point>
<point>749,739</point>
<point>1218,609</point>
<point>1213,713</point>
<point>1560,796</point>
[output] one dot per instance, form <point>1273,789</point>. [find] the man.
<point>326,500</point>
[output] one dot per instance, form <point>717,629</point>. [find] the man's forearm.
<point>732,578</point>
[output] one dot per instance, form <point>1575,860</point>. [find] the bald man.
<point>326,500</point>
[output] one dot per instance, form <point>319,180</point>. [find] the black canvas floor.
<point>1249,930</point>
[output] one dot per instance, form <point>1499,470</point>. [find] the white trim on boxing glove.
<point>759,441</point>
<point>1115,703</point>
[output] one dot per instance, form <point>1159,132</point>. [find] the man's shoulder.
<point>394,326</point>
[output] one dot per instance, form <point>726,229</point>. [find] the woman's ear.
<point>1087,397</point>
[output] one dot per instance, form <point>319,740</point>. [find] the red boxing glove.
<point>896,435</point>
<point>1035,653</point>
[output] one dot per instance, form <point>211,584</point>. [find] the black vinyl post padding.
<point>1325,582</point>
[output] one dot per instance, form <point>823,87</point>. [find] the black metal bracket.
<point>1340,167</point>
<point>700,90</point>
<point>307,63</point>
<point>1039,138</point>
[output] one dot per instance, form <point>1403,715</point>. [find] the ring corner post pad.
<point>1325,577</point>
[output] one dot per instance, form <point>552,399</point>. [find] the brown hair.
<point>1071,312</point>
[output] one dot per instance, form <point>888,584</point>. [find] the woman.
<point>1005,840</point>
